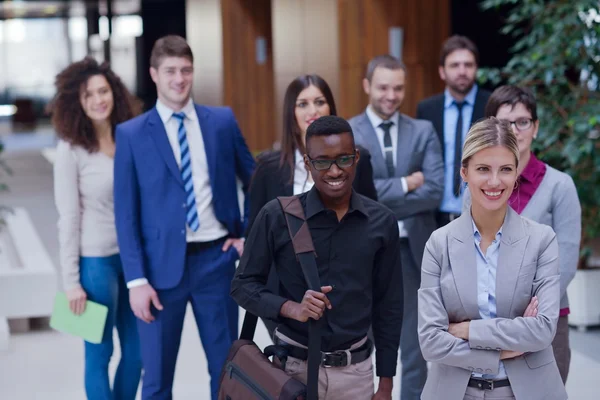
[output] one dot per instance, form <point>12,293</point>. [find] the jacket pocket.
<point>539,358</point>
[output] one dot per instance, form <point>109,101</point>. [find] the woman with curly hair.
<point>90,101</point>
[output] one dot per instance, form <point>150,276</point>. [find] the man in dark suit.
<point>178,218</point>
<point>452,114</point>
<point>409,175</point>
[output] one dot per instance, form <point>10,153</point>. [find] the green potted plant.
<point>557,54</point>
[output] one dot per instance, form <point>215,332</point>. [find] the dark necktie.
<point>387,147</point>
<point>458,144</point>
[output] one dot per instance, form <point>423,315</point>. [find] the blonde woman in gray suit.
<point>490,291</point>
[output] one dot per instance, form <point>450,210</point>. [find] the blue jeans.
<point>103,281</point>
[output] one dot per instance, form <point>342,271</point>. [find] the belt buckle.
<point>339,353</point>
<point>491,383</point>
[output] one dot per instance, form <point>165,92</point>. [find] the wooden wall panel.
<point>203,26</point>
<point>248,87</point>
<point>363,31</point>
<point>305,41</point>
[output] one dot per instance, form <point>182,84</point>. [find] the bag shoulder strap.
<point>306,256</point>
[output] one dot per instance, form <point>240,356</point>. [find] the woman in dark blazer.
<point>282,172</point>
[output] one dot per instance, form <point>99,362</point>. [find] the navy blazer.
<point>149,191</point>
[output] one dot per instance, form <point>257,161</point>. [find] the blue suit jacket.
<point>149,192</point>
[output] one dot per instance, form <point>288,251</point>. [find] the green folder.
<point>89,325</point>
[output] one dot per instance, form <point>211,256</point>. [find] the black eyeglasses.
<point>522,124</point>
<point>341,162</point>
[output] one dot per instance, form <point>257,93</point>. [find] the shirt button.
<point>183,231</point>
<point>183,205</point>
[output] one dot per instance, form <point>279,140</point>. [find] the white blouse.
<point>302,180</point>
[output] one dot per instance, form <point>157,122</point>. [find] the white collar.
<point>376,120</point>
<point>165,112</point>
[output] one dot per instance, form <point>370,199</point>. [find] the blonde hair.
<point>489,132</point>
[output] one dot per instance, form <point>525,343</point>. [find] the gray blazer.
<point>418,150</point>
<point>555,203</point>
<point>527,266</point>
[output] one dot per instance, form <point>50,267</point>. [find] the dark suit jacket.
<point>432,109</point>
<point>271,180</point>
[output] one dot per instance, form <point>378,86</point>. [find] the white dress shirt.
<point>376,120</point>
<point>210,227</point>
<point>302,180</point>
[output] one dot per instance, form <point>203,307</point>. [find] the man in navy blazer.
<point>178,218</point>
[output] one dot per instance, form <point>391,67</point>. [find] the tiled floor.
<point>48,365</point>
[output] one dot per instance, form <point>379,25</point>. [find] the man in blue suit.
<point>178,219</point>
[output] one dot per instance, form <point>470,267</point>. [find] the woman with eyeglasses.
<point>282,172</point>
<point>543,194</point>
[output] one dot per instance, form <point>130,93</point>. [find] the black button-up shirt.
<point>358,256</point>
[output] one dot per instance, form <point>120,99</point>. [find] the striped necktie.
<point>186,174</point>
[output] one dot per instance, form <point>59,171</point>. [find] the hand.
<point>237,243</point>
<point>77,298</point>
<point>532,308</point>
<point>312,306</point>
<point>415,180</point>
<point>384,392</point>
<point>506,354</point>
<point>460,330</point>
<point>140,298</point>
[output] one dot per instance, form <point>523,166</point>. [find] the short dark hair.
<point>68,117</point>
<point>170,46</point>
<point>511,95</point>
<point>384,61</point>
<point>328,125</point>
<point>458,42</point>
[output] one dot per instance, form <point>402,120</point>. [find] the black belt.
<point>337,358</point>
<point>194,247</point>
<point>487,384</point>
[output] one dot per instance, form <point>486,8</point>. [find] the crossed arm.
<point>480,344</point>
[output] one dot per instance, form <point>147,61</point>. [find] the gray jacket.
<point>418,150</point>
<point>527,266</point>
<point>555,203</point>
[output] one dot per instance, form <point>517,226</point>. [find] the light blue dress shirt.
<point>450,202</point>
<point>487,265</point>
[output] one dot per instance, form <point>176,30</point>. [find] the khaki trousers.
<point>503,393</point>
<point>354,381</point>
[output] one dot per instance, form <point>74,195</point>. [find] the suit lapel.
<point>160,138</point>
<point>478,107</point>
<point>512,250</point>
<point>372,144</point>
<point>287,185</point>
<point>438,119</point>
<point>404,146</point>
<point>209,137</point>
<point>463,263</point>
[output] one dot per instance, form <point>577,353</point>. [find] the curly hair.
<point>69,118</point>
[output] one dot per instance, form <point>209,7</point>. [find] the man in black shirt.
<point>357,245</point>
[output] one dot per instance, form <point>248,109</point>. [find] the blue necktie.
<point>186,174</point>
